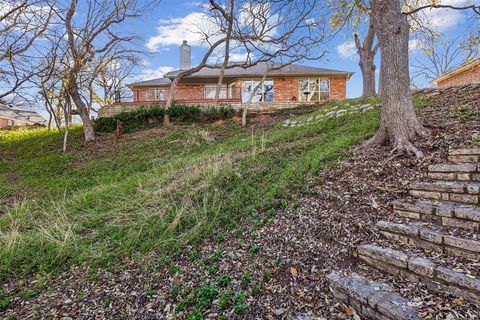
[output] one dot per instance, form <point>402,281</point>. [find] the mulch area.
<point>280,266</point>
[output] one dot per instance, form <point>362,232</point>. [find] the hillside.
<point>158,188</point>
<point>211,220</point>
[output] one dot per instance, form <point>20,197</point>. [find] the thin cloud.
<point>154,73</point>
<point>347,50</point>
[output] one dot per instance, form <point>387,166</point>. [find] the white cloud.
<point>197,27</point>
<point>154,73</point>
<point>192,28</point>
<point>347,50</point>
<point>414,44</point>
<point>441,19</point>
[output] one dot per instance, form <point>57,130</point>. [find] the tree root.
<point>401,143</point>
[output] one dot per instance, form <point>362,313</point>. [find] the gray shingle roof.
<point>28,116</point>
<point>155,82</point>
<point>257,70</point>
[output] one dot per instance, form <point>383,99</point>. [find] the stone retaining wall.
<point>446,214</point>
<point>421,269</point>
<point>418,234</point>
<point>372,300</point>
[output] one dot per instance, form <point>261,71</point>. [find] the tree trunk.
<point>366,52</point>
<point>88,130</point>
<point>171,97</point>
<point>250,99</point>
<point>399,125</point>
<point>380,82</point>
<point>367,66</point>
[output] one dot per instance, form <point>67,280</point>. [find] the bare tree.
<point>367,52</point>
<point>229,17</point>
<point>22,24</point>
<point>90,38</point>
<point>107,86</point>
<point>440,54</point>
<point>351,15</point>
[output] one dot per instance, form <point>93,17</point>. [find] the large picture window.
<point>263,94</point>
<point>211,89</point>
<point>155,94</point>
<point>312,90</point>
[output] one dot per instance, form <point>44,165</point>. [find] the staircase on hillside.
<point>443,207</point>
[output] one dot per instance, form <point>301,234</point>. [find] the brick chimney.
<point>185,56</point>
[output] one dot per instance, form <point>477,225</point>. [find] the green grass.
<point>146,196</point>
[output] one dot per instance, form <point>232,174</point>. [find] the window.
<point>263,94</point>
<point>155,94</point>
<point>211,89</point>
<point>314,89</point>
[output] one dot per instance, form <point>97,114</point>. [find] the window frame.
<point>223,89</point>
<point>158,94</point>
<point>321,93</point>
<point>260,92</point>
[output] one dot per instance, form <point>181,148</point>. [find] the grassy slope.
<point>148,196</point>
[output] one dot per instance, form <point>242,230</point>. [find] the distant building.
<point>467,73</point>
<point>12,116</point>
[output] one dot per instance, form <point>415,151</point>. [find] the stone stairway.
<point>442,220</point>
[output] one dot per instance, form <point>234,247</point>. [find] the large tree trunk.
<point>367,66</point>
<point>82,109</point>
<point>399,125</point>
<point>366,52</point>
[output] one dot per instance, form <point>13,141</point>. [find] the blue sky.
<point>164,28</point>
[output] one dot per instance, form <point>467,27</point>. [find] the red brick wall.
<point>471,75</point>
<point>184,92</point>
<point>338,88</point>
<point>190,91</point>
<point>140,94</point>
<point>285,89</point>
<point>3,122</point>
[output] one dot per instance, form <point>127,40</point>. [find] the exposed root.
<point>400,142</point>
<point>402,146</point>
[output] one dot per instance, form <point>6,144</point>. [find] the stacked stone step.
<point>421,269</point>
<point>445,206</point>
<point>421,235</point>
<point>372,300</point>
<point>465,156</point>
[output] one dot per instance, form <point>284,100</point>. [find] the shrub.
<point>222,112</point>
<point>183,113</point>
<point>151,117</point>
<point>133,120</point>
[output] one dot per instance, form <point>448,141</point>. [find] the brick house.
<point>13,116</point>
<point>286,87</point>
<point>467,73</point>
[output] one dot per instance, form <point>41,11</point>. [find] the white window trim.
<point>320,91</point>
<point>224,88</point>
<point>158,93</point>
<point>261,89</point>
